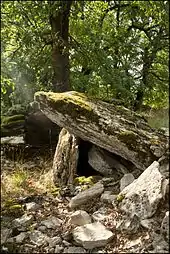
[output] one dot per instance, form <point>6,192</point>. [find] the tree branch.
<point>154,74</point>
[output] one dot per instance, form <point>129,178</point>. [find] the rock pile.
<point>96,220</point>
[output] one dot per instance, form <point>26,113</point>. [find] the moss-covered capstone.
<point>114,128</point>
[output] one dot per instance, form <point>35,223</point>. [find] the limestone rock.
<point>54,241</point>
<point>52,222</point>
<point>98,215</point>
<point>32,206</point>
<point>58,249</point>
<point>107,197</point>
<point>126,180</point>
<point>65,158</point>
<point>104,162</point>
<point>111,127</point>
<point>74,250</point>
<point>38,238</point>
<point>143,195</point>
<point>80,218</point>
<point>92,235</point>
<point>165,226</point>
<point>128,225</point>
<point>22,222</point>
<point>85,196</point>
<point>20,238</point>
<point>5,233</point>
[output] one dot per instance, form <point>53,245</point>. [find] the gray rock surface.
<point>58,249</point>
<point>126,180</point>
<point>143,195</point>
<point>74,250</point>
<point>5,233</point>
<point>80,218</point>
<point>20,238</point>
<point>52,222</point>
<point>23,221</point>
<point>92,235</point>
<point>107,197</point>
<point>32,206</point>
<point>38,238</point>
<point>85,196</point>
<point>165,226</point>
<point>54,241</point>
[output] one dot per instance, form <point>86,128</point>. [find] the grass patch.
<point>22,183</point>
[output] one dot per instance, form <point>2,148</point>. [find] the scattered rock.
<point>92,235</point>
<point>66,243</point>
<point>126,180</point>
<point>32,206</point>
<point>165,226</point>
<point>38,238</point>
<point>74,250</point>
<point>42,228</point>
<point>80,218</point>
<point>86,195</point>
<point>20,238</point>
<point>58,249</point>
<point>107,197</point>
<point>54,241</point>
<point>24,221</point>
<point>99,215</point>
<point>52,222</point>
<point>143,195</point>
<point>147,223</point>
<point>5,233</point>
<point>128,225</point>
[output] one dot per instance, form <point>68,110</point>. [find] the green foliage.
<point>110,44</point>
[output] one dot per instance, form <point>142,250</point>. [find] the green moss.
<point>129,138</point>
<point>83,180</point>
<point>72,103</point>
<point>120,197</point>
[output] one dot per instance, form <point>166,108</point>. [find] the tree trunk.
<point>60,53</point>
<point>113,128</point>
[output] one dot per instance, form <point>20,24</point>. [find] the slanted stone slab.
<point>85,196</point>
<point>142,196</point>
<point>92,235</point>
<point>112,127</point>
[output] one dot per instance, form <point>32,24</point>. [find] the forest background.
<point>107,49</point>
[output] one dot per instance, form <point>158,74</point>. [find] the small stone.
<point>98,216</point>
<point>5,233</point>
<point>74,250</point>
<point>54,241</point>
<point>38,238</point>
<point>84,196</point>
<point>92,235</point>
<point>58,249</point>
<point>165,225</point>
<point>126,180</point>
<point>32,206</point>
<point>24,221</point>
<point>107,197</point>
<point>128,225</point>
<point>147,223</point>
<point>20,238</point>
<point>66,243</point>
<point>80,218</point>
<point>52,222</point>
<point>42,228</point>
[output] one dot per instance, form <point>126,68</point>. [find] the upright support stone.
<point>65,158</point>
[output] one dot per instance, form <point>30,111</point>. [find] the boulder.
<point>92,235</point>
<point>142,196</point>
<point>85,196</point>
<point>111,127</point>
